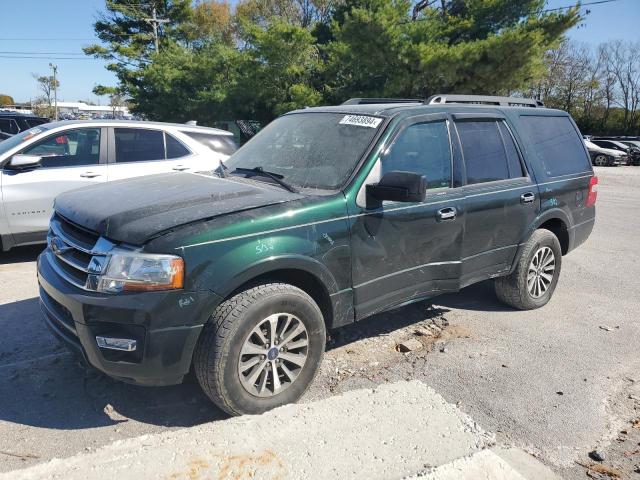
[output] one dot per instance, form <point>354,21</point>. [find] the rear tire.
<point>248,357</point>
<point>532,283</point>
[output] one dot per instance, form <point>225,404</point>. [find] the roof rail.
<point>373,101</point>
<point>485,100</point>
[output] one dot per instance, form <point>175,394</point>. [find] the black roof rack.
<point>485,100</point>
<point>374,101</point>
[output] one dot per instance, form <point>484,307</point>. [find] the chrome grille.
<point>77,254</point>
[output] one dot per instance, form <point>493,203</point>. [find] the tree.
<point>599,86</point>
<point>127,34</point>
<point>46,85</point>
<point>116,96</point>
<point>6,99</point>
<point>270,56</point>
<point>383,48</point>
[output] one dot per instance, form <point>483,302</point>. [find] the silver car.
<point>38,164</point>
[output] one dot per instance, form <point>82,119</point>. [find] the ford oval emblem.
<point>58,246</point>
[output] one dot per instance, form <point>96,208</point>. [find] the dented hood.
<point>138,209</point>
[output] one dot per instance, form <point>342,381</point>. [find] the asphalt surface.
<point>556,382</point>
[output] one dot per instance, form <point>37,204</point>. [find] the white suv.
<point>40,163</point>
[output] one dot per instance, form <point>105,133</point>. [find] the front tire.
<point>261,349</point>
<point>600,161</point>
<point>532,283</point>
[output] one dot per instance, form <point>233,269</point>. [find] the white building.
<point>78,108</point>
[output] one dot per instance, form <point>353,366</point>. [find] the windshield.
<point>18,138</point>
<point>309,150</point>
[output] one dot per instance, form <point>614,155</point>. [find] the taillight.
<point>593,191</point>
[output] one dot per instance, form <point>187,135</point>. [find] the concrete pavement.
<point>399,430</point>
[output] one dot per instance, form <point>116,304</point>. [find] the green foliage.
<point>270,56</point>
<point>490,46</point>
<point>6,99</point>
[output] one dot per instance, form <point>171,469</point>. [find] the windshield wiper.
<point>222,168</point>
<point>276,177</point>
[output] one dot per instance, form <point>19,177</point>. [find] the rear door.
<point>501,198</point>
<point>135,152</point>
<point>71,159</point>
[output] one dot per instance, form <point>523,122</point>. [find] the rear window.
<point>557,144</point>
<point>223,144</point>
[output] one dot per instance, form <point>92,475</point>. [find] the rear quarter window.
<point>223,144</point>
<point>556,143</point>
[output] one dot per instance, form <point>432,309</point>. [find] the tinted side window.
<point>422,148</point>
<point>557,144</point>
<point>138,145</point>
<point>223,144</point>
<point>34,122</point>
<point>174,148</point>
<point>23,124</point>
<point>513,159</point>
<point>8,125</point>
<point>71,148</point>
<point>484,152</point>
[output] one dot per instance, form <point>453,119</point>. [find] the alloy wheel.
<point>273,355</point>
<point>601,161</point>
<point>540,272</point>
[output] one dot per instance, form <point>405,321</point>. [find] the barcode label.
<point>361,121</point>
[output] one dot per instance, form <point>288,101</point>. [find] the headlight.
<point>141,272</point>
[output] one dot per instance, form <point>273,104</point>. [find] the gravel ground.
<point>558,382</point>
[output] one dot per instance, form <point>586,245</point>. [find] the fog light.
<point>123,344</point>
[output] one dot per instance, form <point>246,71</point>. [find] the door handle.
<point>527,197</point>
<point>180,168</point>
<point>90,175</point>
<point>447,213</point>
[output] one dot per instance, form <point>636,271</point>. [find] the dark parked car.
<point>13,123</point>
<point>635,147</point>
<point>324,218</point>
<point>4,136</point>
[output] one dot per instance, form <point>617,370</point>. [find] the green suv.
<point>326,217</point>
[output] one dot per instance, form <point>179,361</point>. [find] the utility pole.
<point>155,22</point>
<point>55,89</point>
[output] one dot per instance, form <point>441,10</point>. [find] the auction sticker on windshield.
<point>361,121</point>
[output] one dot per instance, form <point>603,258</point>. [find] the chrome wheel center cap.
<point>272,354</point>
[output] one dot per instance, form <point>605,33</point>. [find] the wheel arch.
<point>305,273</point>
<point>557,222</point>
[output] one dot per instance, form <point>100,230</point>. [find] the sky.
<point>56,30</point>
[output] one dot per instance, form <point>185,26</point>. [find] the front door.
<point>406,251</point>
<point>70,160</point>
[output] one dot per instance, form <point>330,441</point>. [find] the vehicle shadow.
<point>384,323</point>
<point>478,297</point>
<point>21,254</point>
<point>44,385</point>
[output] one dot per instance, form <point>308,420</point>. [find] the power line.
<point>21,39</point>
<point>49,58</point>
<point>582,5</point>
<point>42,53</point>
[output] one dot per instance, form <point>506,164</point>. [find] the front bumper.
<point>166,326</point>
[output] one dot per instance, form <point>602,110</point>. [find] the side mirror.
<point>399,187</point>
<point>24,162</point>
